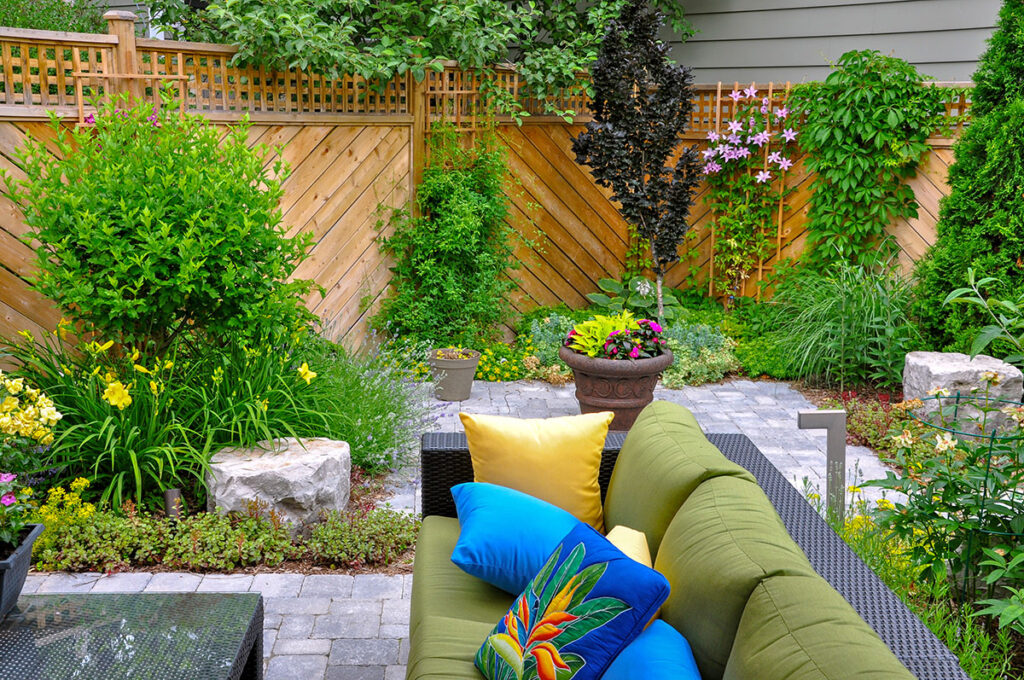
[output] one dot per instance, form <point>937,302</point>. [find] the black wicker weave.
<point>446,462</point>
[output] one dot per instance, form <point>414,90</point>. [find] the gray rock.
<point>298,479</point>
<point>926,372</point>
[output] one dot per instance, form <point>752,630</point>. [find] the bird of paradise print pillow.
<point>584,606</point>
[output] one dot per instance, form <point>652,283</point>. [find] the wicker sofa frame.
<point>445,462</point>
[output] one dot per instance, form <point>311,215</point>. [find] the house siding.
<point>796,40</point>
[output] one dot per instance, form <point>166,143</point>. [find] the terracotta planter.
<point>622,386</point>
<point>14,569</point>
<point>454,376</point>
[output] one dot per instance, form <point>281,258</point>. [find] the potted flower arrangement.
<point>453,369</point>
<point>16,539</point>
<point>616,361</point>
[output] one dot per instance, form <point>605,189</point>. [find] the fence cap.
<point>120,15</point>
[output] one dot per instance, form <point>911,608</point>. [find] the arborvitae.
<point>981,222</point>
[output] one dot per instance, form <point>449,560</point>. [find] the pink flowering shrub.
<point>12,512</point>
<point>619,337</point>
<point>743,166</point>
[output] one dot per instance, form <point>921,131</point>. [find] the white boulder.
<point>297,478</point>
<point>926,372</point>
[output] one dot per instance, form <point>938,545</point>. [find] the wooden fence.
<point>355,145</point>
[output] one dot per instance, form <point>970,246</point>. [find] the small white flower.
<point>938,392</point>
<point>944,442</point>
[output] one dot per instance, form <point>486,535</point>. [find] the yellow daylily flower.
<point>305,373</point>
<point>117,395</point>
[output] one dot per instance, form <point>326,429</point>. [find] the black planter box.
<point>14,569</point>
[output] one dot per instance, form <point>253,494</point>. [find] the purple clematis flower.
<point>735,139</point>
<point>709,153</point>
<point>743,152</point>
<point>774,157</point>
<point>785,164</point>
<point>736,95</point>
<point>761,138</point>
<point>789,134</point>
<point>763,176</point>
<point>750,91</point>
<point>735,126</point>
<point>712,136</point>
<point>783,112</point>
<point>711,168</point>
<point>731,155</point>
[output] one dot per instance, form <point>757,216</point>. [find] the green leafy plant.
<point>642,103</point>
<point>77,16</point>
<point>1008,323</point>
<point>845,324</point>
<point>702,354</point>
<point>13,515</point>
<point>449,283</point>
<point>619,337</point>
<point>981,220</point>
<point>637,295</point>
<point>551,43</point>
<point>501,362</point>
<point>148,224</point>
<point>865,131</point>
<point>357,539</point>
<point>744,180</point>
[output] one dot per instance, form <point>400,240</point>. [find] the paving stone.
<point>407,586</point>
<point>370,652</point>
<point>297,646</point>
<point>359,673</point>
<point>69,583</point>
<point>225,583</point>
<point>271,620</point>
<point>403,651</point>
<point>346,626</point>
<point>297,605</point>
<point>269,636</point>
<point>296,626</point>
<point>173,583</point>
<point>353,607</point>
<point>327,585</point>
<point>32,583</point>
<point>395,611</point>
<point>133,582</point>
<point>395,673</point>
<point>277,585</point>
<point>377,586</point>
<point>296,667</point>
<point>393,630</point>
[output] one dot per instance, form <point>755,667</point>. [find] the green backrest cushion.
<point>725,539</point>
<point>664,458</point>
<point>799,628</point>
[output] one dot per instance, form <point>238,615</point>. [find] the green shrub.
<point>77,16</point>
<point>865,131</point>
<point>501,362</point>
<point>763,355</point>
<point>449,282</point>
<point>376,537</point>
<point>981,222</point>
<point>702,354</point>
<point>546,336</point>
<point>149,224</point>
<point>845,324</point>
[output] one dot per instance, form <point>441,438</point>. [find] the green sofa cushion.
<point>445,649</point>
<point>664,458</point>
<point>442,589</point>
<point>723,541</point>
<point>799,628</point>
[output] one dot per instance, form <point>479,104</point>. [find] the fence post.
<point>417,144</point>
<point>122,25</point>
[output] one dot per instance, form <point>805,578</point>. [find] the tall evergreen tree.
<point>981,222</point>
<point>642,104</point>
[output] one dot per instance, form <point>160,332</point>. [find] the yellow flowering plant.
<point>27,421</point>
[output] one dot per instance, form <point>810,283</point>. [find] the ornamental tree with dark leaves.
<point>642,104</point>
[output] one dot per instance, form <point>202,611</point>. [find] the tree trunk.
<point>661,300</point>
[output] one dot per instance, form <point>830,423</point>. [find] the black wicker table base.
<point>172,636</point>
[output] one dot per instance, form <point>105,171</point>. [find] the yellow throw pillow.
<point>632,543</point>
<point>554,459</point>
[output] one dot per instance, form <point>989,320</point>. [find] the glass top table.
<point>144,636</point>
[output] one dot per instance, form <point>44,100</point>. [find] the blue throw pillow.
<point>584,606</point>
<point>506,535</point>
<point>660,653</point>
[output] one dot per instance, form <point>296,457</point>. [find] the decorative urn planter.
<point>619,385</point>
<point>453,369</point>
<point>14,569</point>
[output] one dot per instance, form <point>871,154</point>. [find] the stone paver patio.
<point>339,627</point>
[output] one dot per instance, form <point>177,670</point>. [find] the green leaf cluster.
<point>550,42</point>
<point>449,283</point>
<point>148,224</point>
<point>981,222</point>
<point>865,131</point>
<point>77,16</point>
<point>637,295</point>
<point>360,539</point>
<point>588,337</point>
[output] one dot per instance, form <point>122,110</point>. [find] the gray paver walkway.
<point>338,627</point>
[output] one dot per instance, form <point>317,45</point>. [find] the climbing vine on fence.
<point>744,166</point>
<point>865,131</point>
